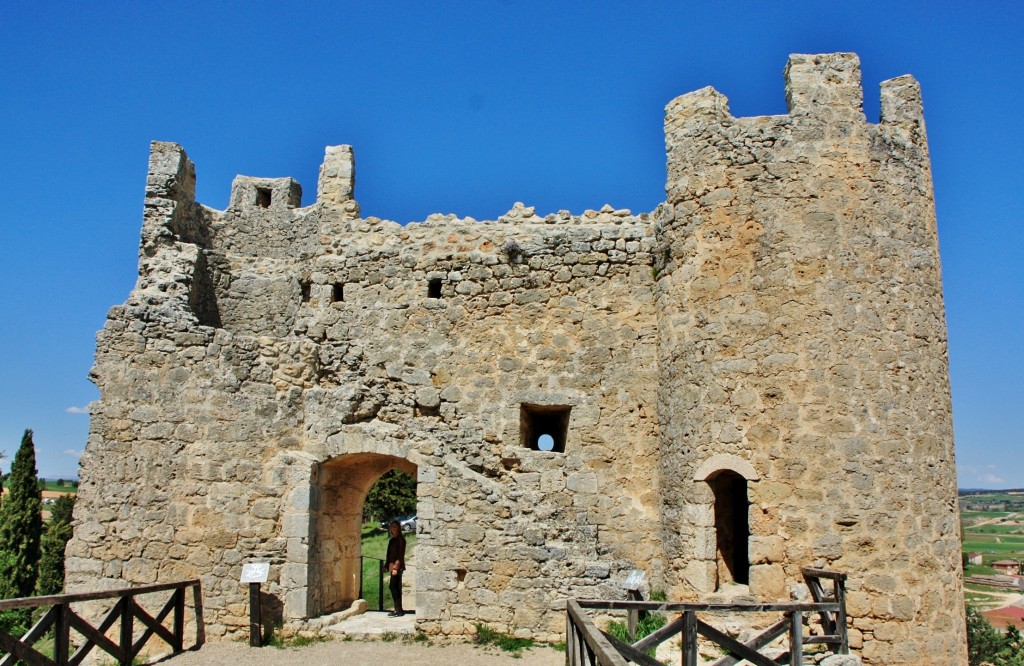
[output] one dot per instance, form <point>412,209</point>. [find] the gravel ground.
<point>360,653</point>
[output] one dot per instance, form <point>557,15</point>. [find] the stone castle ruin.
<point>748,380</point>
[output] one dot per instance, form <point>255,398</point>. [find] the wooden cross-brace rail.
<point>62,619</point>
<point>586,645</point>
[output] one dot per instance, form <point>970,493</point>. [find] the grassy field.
<point>375,546</point>
<point>1002,528</point>
<point>985,515</point>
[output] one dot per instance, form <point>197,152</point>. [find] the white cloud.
<point>77,410</point>
<point>74,453</point>
<point>992,478</point>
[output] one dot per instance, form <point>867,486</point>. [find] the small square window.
<point>263,196</point>
<point>434,288</point>
<point>544,427</point>
<point>338,292</point>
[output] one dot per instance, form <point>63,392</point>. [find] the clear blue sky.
<point>464,108</point>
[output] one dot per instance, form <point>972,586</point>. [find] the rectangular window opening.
<point>544,427</point>
<point>263,195</point>
<point>434,288</point>
<point>338,292</point>
<point>307,289</point>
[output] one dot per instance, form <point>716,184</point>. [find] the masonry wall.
<point>778,321</point>
<point>328,348</point>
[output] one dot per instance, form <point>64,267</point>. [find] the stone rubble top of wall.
<point>823,87</point>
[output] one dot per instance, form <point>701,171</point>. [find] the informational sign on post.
<point>255,572</point>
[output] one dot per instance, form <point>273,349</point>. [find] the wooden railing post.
<point>61,635</point>
<point>197,603</point>
<point>179,620</point>
<point>127,630</point>
<point>568,638</point>
<point>796,638</point>
<point>689,638</point>
<point>583,653</point>
<point>633,615</point>
<point>840,594</point>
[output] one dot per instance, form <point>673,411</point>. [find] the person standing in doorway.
<point>396,565</point>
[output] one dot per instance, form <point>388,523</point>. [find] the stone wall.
<point>774,334</point>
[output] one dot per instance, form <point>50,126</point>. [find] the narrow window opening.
<point>434,288</point>
<point>307,289</point>
<point>732,528</point>
<point>338,292</point>
<point>263,197</point>
<point>544,427</point>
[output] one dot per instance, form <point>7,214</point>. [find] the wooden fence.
<point>62,619</point>
<point>586,645</point>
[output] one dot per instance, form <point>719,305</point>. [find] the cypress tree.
<point>55,539</point>
<point>21,524</point>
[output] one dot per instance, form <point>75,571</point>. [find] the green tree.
<point>55,540</point>
<point>62,509</point>
<point>21,524</point>
<point>12,622</point>
<point>394,494</point>
<point>986,646</point>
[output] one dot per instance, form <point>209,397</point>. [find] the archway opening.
<point>391,498</point>
<point>732,527</point>
<point>337,516</point>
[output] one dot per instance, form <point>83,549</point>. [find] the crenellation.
<point>337,181</point>
<point>825,87</point>
<point>902,105</point>
<point>767,344</point>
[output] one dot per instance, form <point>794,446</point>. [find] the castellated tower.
<point>749,380</point>
<point>802,355</point>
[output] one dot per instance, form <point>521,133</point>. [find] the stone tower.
<point>749,380</point>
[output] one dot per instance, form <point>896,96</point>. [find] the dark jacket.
<point>396,552</point>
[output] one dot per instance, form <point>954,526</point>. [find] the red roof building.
<point>1007,567</point>
<point>1002,618</point>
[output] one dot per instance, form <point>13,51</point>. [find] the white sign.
<point>255,572</point>
<point>634,580</point>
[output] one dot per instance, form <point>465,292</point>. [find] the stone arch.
<point>725,461</point>
<point>340,487</point>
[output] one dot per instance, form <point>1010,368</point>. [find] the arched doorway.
<point>732,527</point>
<point>728,477</point>
<point>336,517</point>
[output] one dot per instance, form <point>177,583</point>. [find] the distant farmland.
<point>992,524</point>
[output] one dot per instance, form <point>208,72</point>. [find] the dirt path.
<point>363,653</point>
<point>1000,599</point>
